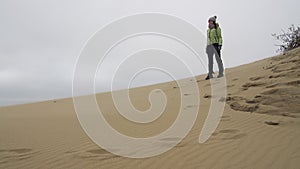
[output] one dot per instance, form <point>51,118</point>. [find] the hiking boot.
<point>208,77</point>
<point>220,75</point>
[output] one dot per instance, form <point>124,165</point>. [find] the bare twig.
<point>289,40</point>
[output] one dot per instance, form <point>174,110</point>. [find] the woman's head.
<point>212,21</point>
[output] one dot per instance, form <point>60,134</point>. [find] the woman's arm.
<point>219,35</point>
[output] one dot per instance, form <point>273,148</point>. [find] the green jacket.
<point>214,36</point>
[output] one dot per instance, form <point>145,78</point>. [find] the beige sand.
<point>48,134</point>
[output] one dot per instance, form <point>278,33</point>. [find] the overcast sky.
<point>40,40</point>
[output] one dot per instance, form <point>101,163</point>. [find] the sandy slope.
<point>48,134</point>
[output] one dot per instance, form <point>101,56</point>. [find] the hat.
<point>214,18</point>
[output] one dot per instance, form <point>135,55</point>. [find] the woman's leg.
<point>218,59</point>
<point>210,54</point>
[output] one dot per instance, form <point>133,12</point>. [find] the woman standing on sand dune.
<point>214,45</point>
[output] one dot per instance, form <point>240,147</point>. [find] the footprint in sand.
<point>187,94</point>
<point>277,75</point>
<point>207,96</point>
<point>279,70</point>
<point>98,151</point>
<point>225,118</point>
<point>256,78</point>
<point>271,91</point>
<point>222,99</point>
<point>15,154</point>
<point>269,67</point>
<point>229,131</point>
<point>191,106</point>
<point>243,107</point>
<point>238,103</point>
<point>229,134</point>
<point>20,150</point>
<point>237,136</point>
<point>94,154</point>
<point>232,85</point>
<point>246,86</point>
<point>272,85</point>
<point>295,83</point>
<point>70,152</point>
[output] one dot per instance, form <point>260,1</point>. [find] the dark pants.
<point>211,51</point>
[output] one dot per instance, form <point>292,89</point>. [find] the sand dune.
<point>260,127</point>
